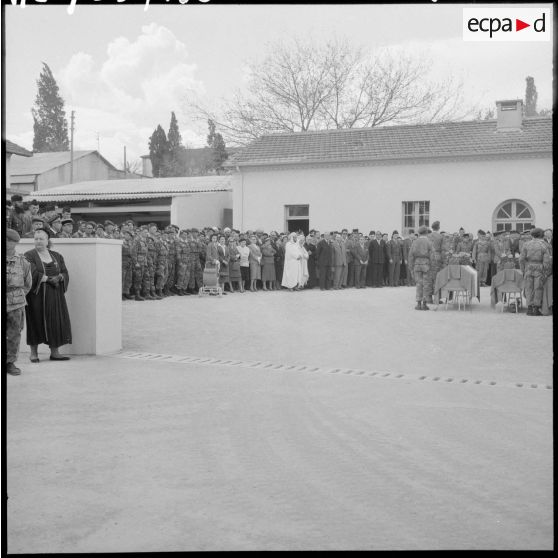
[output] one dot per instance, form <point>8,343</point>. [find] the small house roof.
<point>42,162</point>
<point>15,149</point>
<point>134,189</point>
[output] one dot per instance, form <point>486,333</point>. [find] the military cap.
<point>107,222</point>
<point>226,229</point>
<point>92,223</point>
<point>53,219</point>
<point>466,234</point>
<point>126,231</point>
<point>12,235</point>
<point>67,221</point>
<point>100,226</point>
<point>423,229</point>
<point>130,222</point>
<point>537,232</point>
<point>37,218</point>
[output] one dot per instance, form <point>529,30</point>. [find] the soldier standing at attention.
<point>138,252</point>
<point>149,277</point>
<point>170,238</point>
<point>481,256</point>
<point>127,263</point>
<point>182,265</point>
<point>420,256</point>
<point>18,284</point>
<point>161,266</point>
<point>197,252</point>
<point>436,262</point>
<point>395,256</point>
<point>534,261</point>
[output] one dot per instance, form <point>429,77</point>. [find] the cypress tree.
<point>159,151</point>
<point>50,128</point>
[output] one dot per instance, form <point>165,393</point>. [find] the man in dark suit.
<point>324,261</point>
<point>376,260</point>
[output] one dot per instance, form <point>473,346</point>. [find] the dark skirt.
<point>234,271</point>
<point>268,271</point>
<point>46,314</point>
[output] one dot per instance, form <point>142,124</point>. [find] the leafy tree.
<point>301,86</point>
<point>530,97</point>
<point>159,152</point>
<point>50,128</point>
<point>217,143</point>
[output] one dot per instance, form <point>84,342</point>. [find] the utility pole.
<point>125,168</point>
<point>72,149</point>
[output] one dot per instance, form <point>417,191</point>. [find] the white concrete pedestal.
<point>94,295</point>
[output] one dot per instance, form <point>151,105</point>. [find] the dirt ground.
<point>288,421</point>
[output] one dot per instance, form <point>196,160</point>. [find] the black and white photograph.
<point>271,276</point>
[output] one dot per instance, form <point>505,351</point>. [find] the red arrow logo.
<point>519,25</point>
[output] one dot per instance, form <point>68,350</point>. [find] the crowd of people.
<point>158,263</point>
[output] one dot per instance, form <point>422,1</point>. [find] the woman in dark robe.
<point>46,313</point>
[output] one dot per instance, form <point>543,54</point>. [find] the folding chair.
<point>459,294</point>
<point>510,293</point>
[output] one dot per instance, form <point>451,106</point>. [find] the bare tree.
<point>132,167</point>
<point>301,86</point>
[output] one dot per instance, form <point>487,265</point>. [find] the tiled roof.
<point>15,149</point>
<point>394,143</point>
<point>42,162</point>
<point>134,189</point>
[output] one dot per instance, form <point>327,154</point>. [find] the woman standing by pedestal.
<point>46,313</point>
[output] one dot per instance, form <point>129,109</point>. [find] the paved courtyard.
<point>288,421</point>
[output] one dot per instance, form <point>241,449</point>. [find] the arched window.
<point>513,215</point>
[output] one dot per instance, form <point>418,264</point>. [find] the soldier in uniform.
<point>535,263</point>
<point>407,242</point>
<point>67,228</point>
<point>172,243</point>
<point>481,256</point>
<point>127,264</point>
<point>138,253</point>
<point>197,251</point>
<point>465,244</point>
<point>161,264</point>
<point>18,284</point>
<point>513,243</point>
<point>436,263</point>
<point>420,256</point>
<point>148,284</point>
<point>182,263</point>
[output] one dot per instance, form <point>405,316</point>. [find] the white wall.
<point>203,209</point>
<point>94,293</point>
<point>461,194</point>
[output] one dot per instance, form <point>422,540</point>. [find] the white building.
<point>491,174</point>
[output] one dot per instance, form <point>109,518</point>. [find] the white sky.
<point>123,69</point>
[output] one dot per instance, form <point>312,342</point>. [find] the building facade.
<point>49,170</point>
<point>494,175</point>
<point>182,201</point>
